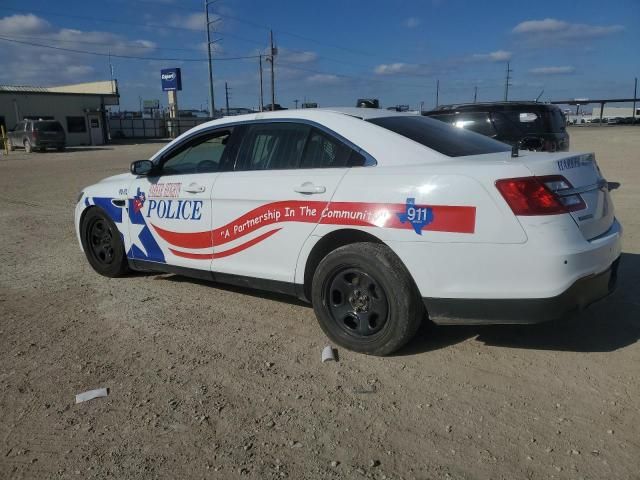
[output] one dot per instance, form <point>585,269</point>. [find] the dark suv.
<point>529,125</point>
<point>37,135</point>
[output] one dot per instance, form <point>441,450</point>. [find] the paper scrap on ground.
<point>91,394</point>
<point>328,355</point>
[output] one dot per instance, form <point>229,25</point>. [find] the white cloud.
<point>324,79</point>
<point>412,22</point>
<point>79,70</point>
<point>295,56</point>
<point>396,68</point>
<point>554,29</point>
<point>565,69</point>
<point>193,21</point>
<point>24,24</point>
<point>497,56</point>
<point>52,67</point>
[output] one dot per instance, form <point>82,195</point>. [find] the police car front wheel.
<point>365,300</point>
<point>103,244</point>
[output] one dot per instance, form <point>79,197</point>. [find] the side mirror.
<point>142,167</point>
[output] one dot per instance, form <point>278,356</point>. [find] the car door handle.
<point>194,188</point>
<point>309,188</point>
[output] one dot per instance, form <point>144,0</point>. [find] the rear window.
<point>440,136</point>
<point>48,127</point>
<point>531,120</point>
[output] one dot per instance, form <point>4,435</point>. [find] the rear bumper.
<point>49,144</point>
<point>584,292</point>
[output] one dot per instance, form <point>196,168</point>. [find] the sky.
<point>330,52</point>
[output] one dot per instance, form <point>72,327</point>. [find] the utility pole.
<point>296,102</point>
<point>273,78</point>
<point>226,94</point>
<point>475,94</point>
<point>437,93</point>
<point>421,107</point>
<point>261,89</point>
<point>635,95</point>
<point>506,83</point>
<point>211,99</point>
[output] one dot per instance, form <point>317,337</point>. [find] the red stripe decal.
<point>225,253</point>
<point>446,218</point>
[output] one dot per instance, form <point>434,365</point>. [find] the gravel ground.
<point>207,381</point>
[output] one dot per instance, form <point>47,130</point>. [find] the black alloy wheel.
<point>365,299</point>
<point>101,241</point>
<point>357,302</point>
<point>102,244</point>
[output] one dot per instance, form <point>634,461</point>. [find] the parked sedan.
<point>379,219</point>
<point>37,135</point>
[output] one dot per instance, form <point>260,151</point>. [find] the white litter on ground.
<point>91,394</point>
<point>328,355</point>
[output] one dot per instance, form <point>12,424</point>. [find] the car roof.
<point>366,113</point>
<point>318,114</point>
<point>490,105</point>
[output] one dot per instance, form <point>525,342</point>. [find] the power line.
<point>230,17</point>
<point>266,28</point>
<point>131,57</point>
<point>111,45</point>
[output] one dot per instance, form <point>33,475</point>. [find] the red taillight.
<point>539,195</point>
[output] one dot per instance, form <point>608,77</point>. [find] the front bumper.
<point>584,292</point>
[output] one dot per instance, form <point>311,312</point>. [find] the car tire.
<point>365,299</point>
<point>27,146</point>
<point>102,244</point>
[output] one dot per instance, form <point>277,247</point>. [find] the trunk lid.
<point>583,173</point>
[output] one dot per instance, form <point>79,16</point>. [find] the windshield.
<point>440,136</point>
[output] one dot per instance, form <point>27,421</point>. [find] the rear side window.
<point>441,137</point>
<point>272,146</point>
<point>323,151</point>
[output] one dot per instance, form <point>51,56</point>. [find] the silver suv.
<point>37,135</point>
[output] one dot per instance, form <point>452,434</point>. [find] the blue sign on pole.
<point>171,79</point>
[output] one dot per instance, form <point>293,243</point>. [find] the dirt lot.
<point>214,382</point>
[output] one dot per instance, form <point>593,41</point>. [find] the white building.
<point>613,112</point>
<point>80,108</point>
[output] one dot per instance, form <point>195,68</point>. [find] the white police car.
<point>380,219</point>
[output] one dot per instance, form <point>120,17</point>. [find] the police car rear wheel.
<point>365,299</point>
<point>103,245</point>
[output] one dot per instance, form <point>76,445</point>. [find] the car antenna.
<point>538,97</point>
<point>514,151</point>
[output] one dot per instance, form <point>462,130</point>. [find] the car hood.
<point>121,177</point>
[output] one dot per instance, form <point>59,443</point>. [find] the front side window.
<point>439,136</point>
<point>201,155</point>
<point>272,146</point>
